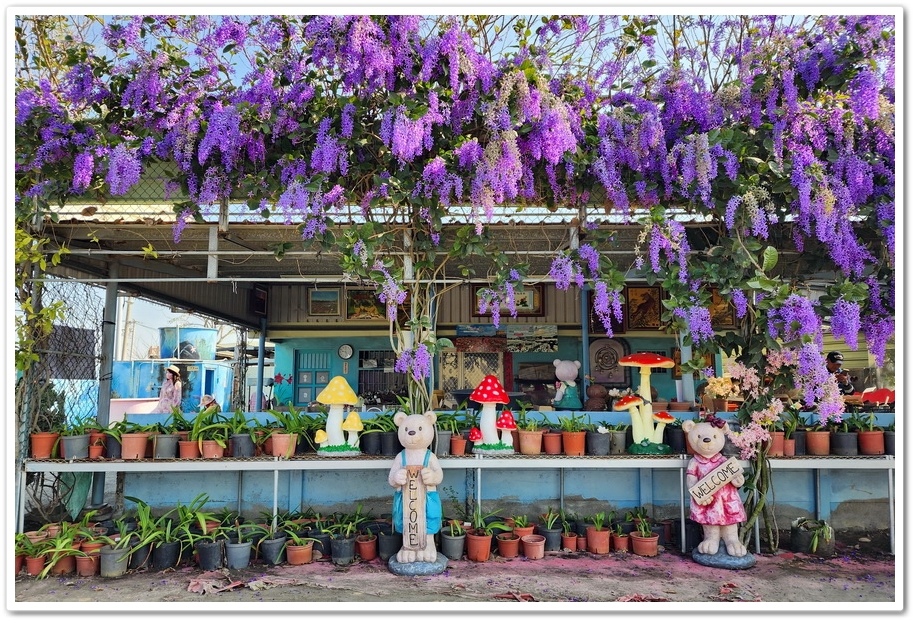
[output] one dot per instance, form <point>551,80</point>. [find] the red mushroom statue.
<point>646,438</point>
<point>506,424</point>
<point>489,393</point>
<point>475,435</point>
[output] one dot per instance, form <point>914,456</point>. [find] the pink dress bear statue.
<point>721,511</point>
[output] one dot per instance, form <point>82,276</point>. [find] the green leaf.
<point>770,256</point>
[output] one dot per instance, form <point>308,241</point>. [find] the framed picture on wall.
<point>644,307</point>
<point>594,322</point>
<point>721,312</point>
<point>529,301</point>
<point>324,302</point>
<point>364,305</point>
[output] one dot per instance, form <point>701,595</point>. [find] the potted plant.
<point>299,547</point>
<point>598,535</point>
<point>74,437</point>
<point>367,544</point>
<point>521,526</point>
<point>243,538</point>
<point>148,533</point>
<point>452,539</point>
<point>551,528</point>
<point>812,536</point>
<point>115,555</point>
<point>210,431</point>
<point>530,436</point>
<point>620,538</point>
<point>572,429</point>
<point>643,539</point>
<point>870,436</point>
<point>343,540</point>
<point>242,432</point>
<point>60,551</point>
<point>480,536</point>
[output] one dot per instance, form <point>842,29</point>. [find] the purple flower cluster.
<point>418,362</point>
<point>795,320</point>
<point>123,169</point>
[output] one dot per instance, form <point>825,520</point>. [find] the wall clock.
<point>345,351</point>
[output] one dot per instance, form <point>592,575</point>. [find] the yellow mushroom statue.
<point>352,425</point>
<point>336,395</point>
<point>647,439</point>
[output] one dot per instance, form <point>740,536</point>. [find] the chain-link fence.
<point>62,385</point>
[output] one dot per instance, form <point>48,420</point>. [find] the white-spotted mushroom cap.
<point>663,416</point>
<point>505,421</point>
<point>353,422</point>
<point>646,360</point>
<point>626,402</point>
<point>490,390</point>
<point>475,434</point>
<point>337,392</point>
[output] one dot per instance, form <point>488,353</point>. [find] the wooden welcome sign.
<point>715,480</point>
<point>414,509</point>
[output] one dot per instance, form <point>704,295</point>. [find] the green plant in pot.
<point>486,523</point>
<point>821,531</point>
<point>643,528</point>
<point>550,518</point>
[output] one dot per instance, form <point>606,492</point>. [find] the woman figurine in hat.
<point>835,367</point>
<point>170,394</point>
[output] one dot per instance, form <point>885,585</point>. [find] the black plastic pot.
<point>165,555</point>
<point>210,555</point>
<point>343,550</point>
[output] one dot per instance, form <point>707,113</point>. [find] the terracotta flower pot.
<point>788,447</point>
<point>553,443</point>
<point>621,542</point>
<point>530,442</point>
<point>574,443</point>
<point>478,546</point>
<point>777,443</point>
<point>44,445</point>
<point>568,540</point>
<point>598,541</point>
<point>817,442</point>
<point>457,445</point>
<point>299,554</point>
<point>523,530</point>
<point>533,546</point>
<point>871,442</point>
<point>367,547</point>
<point>644,546</point>
<point>507,544</point>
